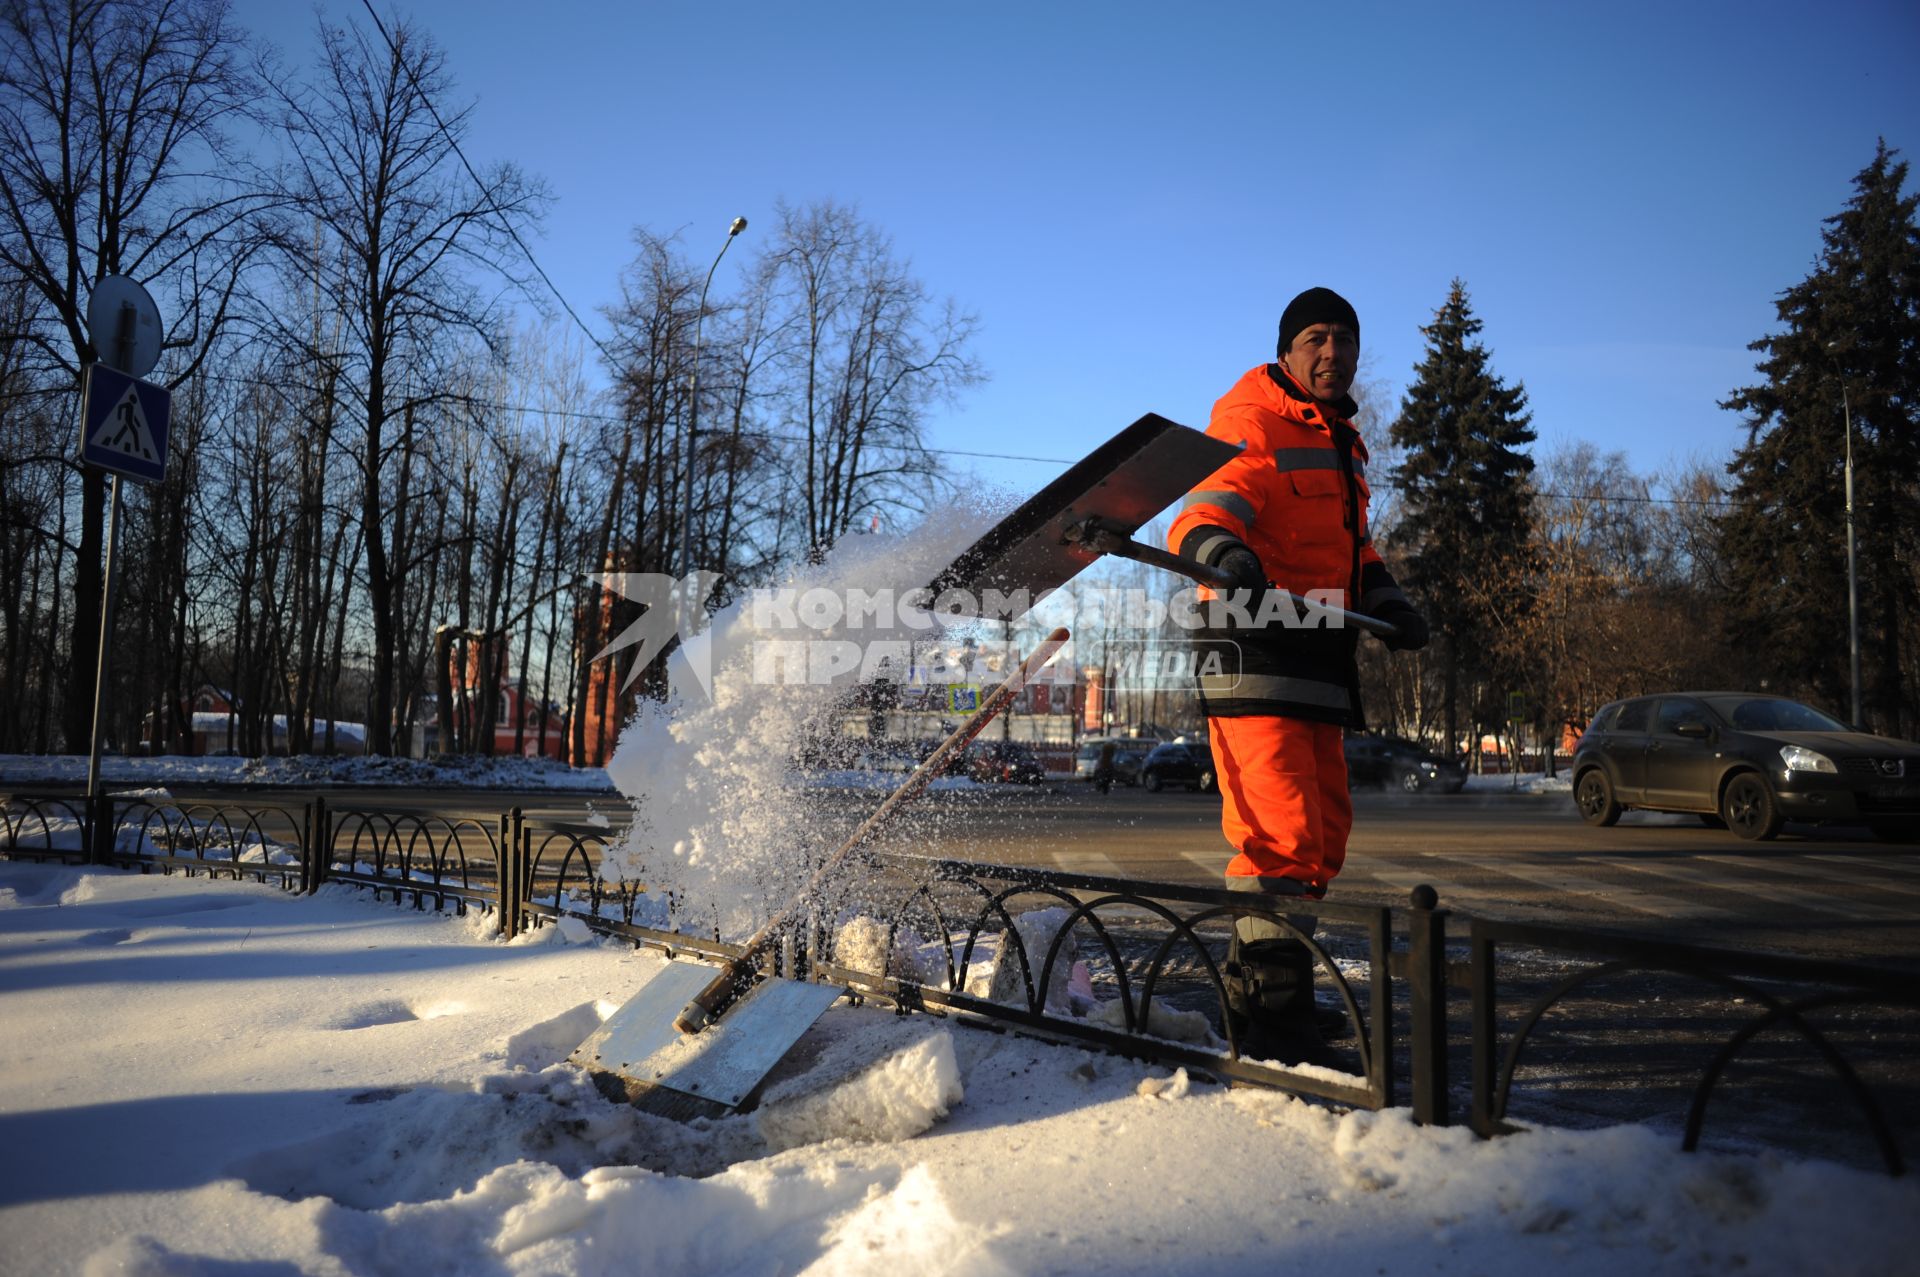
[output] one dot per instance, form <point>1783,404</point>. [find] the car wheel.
<point>1712,821</point>
<point>1748,808</point>
<point>1593,794</point>
<point>1412,782</point>
<point>1152,781</point>
<point>1206,782</point>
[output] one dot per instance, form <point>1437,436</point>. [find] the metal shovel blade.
<point>1123,483</point>
<point>639,1056</point>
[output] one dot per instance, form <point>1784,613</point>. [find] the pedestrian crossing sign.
<point>124,425</point>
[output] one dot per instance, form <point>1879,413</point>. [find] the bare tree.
<point>867,353</point>
<point>376,167</point>
<point>114,160</point>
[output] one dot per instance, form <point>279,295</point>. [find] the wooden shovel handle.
<point>713,999</point>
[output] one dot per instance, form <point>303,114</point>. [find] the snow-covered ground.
<point>306,771</point>
<point>208,1077</point>
<point>1522,783</point>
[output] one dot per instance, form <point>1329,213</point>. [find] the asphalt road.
<point>1829,892</point>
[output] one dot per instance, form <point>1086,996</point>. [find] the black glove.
<point>1244,565</point>
<point>1411,625</point>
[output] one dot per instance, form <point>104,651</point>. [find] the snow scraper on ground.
<point>698,1042</point>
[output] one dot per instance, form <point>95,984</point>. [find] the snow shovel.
<point>697,1042</point>
<point>1094,509</point>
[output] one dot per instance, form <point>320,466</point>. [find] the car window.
<point>1770,714</point>
<point>1605,719</point>
<point>1675,710</point>
<point>1633,717</point>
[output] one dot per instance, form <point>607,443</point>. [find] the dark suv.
<point>1189,765</point>
<point>1748,761</point>
<point>1391,763</point>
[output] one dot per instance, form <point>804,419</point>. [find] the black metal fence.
<point>1124,966</point>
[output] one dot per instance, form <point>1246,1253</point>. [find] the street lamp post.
<point>1853,579</point>
<point>693,411</point>
<point>1853,576</point>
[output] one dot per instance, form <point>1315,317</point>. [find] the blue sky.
<point>1127,198</point>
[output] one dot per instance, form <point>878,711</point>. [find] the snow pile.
<point>551,1041</point>
<point>862,944</point>
<point>849,1094</point>
<point>1520,783</point>
<point>1164,1022</point>
<point>1011,970</point>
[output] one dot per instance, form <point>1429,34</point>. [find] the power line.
<point>615,419</point>
<point>1604,497</point>
<point>507,225</point>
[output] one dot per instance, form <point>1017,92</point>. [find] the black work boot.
<point>1270,1003</point>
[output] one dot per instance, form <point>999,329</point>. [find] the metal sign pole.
<point>106,630</point>
<point>123,357</point>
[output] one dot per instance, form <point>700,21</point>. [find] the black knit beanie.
<point>1315,306</point>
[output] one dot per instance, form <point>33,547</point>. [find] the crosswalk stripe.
<point>1092,863</point>
<point>1214,862</point>
<point>1871,862</point>
<point>1799,899</point>
<point>1407,880</point>
<point>1660,905</point>
<point>1809,895</point>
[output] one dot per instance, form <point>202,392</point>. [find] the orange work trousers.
<point>1284,803</point>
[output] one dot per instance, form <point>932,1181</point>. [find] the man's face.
<point>1323,359</point>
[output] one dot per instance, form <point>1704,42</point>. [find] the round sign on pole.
<point>124,325</point>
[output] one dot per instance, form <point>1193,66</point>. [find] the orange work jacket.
<point>1296,496</point>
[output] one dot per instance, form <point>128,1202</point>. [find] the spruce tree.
<point>1850,347</point>
<point>1463,485</point>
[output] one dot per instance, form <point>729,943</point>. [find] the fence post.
<point>1483,1036</point>
<point>319,849</point>
<point>1427,978</point>
<point>512,878</point>
<point>98,834</point>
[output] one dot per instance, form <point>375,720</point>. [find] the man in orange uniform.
<point>1290,511</point>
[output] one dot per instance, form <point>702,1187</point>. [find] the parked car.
<point>1128,753</point>
<point>1749,761</point>
<point>1005,761</point>
<point>1389,762</point>
<point>1178,764</point>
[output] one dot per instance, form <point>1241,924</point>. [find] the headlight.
<point>1801,759</point>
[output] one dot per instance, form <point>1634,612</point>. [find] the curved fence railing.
<point>1136,968</point>
<point>415,856</point>
<point>49,828</point>
<point>1132,967</point>
<point>218,839</point>
<point>1759,993</point>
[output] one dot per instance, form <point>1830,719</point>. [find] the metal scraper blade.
<point>1124,482</point>
<point>712,1072</point>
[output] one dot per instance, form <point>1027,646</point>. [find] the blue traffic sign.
<point>124,425</point>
